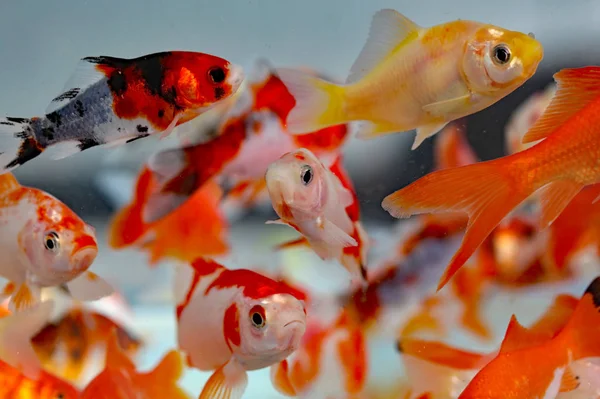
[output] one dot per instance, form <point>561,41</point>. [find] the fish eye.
<point>257,316</point>
<point>51,241</point>
<point>216,74</point>
<point>501,54</point>
<point>306,175</point>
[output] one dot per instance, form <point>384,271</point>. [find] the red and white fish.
<point>112,100</point>
<point>320,203</point>
<point>233,321</point>
<point>249,136</point>
<point>44,244</point>
<point>331,362</point>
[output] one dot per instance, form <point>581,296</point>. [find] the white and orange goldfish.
<point>338,349</point>
<point>233,321</point>
<point>320,203</point>
<point>410,77</point>
<point>44,244</point>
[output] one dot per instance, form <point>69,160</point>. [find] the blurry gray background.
<point>42,42</point>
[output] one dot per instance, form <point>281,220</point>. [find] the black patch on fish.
<point>48,132</point>
<point>161,113</point>
<point>79,108</point>
<point>117,83</point>
<point>219,93</point>
<point>67,95</point>
<point>170,96</point>
<point>6,123</point>
<point>142,129</point>
<point>141,136</point>
<point>55,118</point>
<point>17,120</point>
<point>594,290</point>
<point>29,149</point>
<point>84,144</point>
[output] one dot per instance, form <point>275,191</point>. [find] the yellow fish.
<point>410,77</point>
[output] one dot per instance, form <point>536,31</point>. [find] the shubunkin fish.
<point>111,100</point>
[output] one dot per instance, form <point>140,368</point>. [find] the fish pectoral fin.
<point>281,380</point>
<point>278,221</point>
<point>16,332</point>
<point>389,31</point>
<point>426,131</point>
<point>171,126</point>
<point>227,382</point>
<point>447,107</point>
<point>569,381</point>
<point>335,236</point>
<point>26,296</point>
<point>89,287</point>
<point>301,241</point>
<point>554,199</point>
<point>64,149</point>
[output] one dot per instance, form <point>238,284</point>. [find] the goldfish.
<point>45,244</point>
<point>337,349</point>
<point>411,77</point>
<point>14,385</point>
<point>233,321</point>
<point>319,203</point>
<point>247,138</point>
<point>562,164</point>
<point>177,234</point>
<point>121,380</point>
<point>109,100</point>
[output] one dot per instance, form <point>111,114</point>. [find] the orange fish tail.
<point>485,191</point>
<point>582,332</point>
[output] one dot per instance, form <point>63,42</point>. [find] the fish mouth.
<point>84,257</point>
<point>294,321</point>
<point>235,77</point>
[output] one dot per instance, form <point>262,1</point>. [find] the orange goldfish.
<point>111,100</point>
<point>197,228</point>
<point>121,380</point>
<point>320,203</point>
<point>14,385</point>
<point>411,77</point>
<point>246,322</point>
<point>338,349</point>
<point>562,164</point>
<point>45,244</point>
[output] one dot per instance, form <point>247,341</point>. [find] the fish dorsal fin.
<point>87,72</point>
<point>115,357</point>
<point>518,337</point>
<point>576,88</point>
<point>8,183</point>
<point>389,30</point>
<point>557,316</point>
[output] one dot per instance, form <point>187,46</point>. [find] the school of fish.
<point>485,231</point>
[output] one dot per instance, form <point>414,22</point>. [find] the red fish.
<point>113,101</point>
<point>14,385</point>
<point>562,164</point>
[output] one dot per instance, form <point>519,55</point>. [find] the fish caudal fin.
<point>17,143</point>
<point>227,382</point>
<point>319,103</point>
<point>583,329</point>
<point>16,332</point>
<point>281,380</point>
<point>485,191</point>
<point>89,287</point>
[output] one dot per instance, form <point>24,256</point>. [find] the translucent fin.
<point>64,149</point>
<point>576,88</point>
<point>16,332</point>
<point>424,132</point>
<point>446,107</point>
<point>569,382</point>
<point>319,103</point>
<point>89,287</point>
<point>280,379</point>
<point>26,296</point>
<point>278,221</point>
<point>369,130</point>
<point>17,143</point>
<point>335,236</point>
<point>388,32</point>
<point>227,382</point>
<point>554,199</point>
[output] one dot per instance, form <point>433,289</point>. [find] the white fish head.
<point>57,243</point>
<point>271,328</point>
<point>297,184</point>
<point>498,60</point>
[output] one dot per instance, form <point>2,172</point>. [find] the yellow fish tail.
<point>319,103</point>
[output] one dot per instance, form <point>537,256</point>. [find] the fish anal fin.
<point>227,382</point>
<point>576,88</point>
<point>426,131</point>
<point>554,199</point>
<point>388,32</point>
<point>569,381</point>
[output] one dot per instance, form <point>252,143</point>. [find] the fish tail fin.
<point>16,332</point>
<point>583,329</point>
<point>163,380</point>
<point>17,142</point>
<point>319,103</point>
<point>485,191</point>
